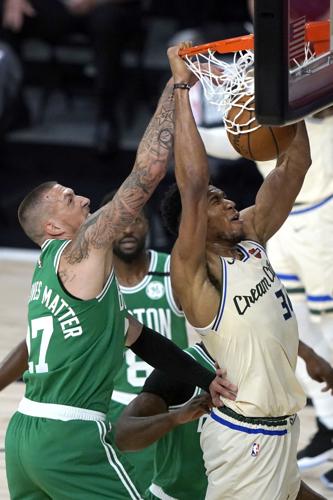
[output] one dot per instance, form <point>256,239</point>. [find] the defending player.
<point>167,412</point>
<point>57,444</point>
<point>230,293</point>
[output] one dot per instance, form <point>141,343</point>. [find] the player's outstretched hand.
<point>180,72</point>
<point>321,371</point>
<point>221,386</point>
<point>194,409</point>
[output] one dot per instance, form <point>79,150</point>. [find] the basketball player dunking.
<point>230,293</point>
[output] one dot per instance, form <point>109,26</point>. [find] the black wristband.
<point>163,354</point>
<point>184,86</point>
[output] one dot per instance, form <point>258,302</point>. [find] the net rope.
<point>227,85</point>
<point>230,84</point>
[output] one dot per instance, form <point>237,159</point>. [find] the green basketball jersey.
<point>75,346</point>
<point>152,303</point>
<point>179,471</point>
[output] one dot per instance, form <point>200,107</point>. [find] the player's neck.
<point>131,273</point>
<point>224,249</point>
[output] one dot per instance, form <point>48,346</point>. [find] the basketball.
<point>249,139</point>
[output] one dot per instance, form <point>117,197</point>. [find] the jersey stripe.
<point>247,430</point>
<point>318,312</point>
<point>319,298</point>
<point>116,464</point>
<point>287,277</point>
<point>223,296</point>
<point>158,492</point>
<point>244,252</point>
<point>311,207</point>
<point>58,255</point>
<point>106,286</point>
<point>203,355</point>
<point>45,244</point>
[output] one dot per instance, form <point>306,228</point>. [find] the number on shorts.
<point>285,303</point>
<point>45,326</point>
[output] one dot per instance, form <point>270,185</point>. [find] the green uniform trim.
<point>268,421</point>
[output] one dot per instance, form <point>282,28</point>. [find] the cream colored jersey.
<point>318,183</point>
<point>255,337</point>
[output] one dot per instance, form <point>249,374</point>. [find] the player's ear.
<point>52,229</point>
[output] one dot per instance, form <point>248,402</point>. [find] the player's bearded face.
<point>132,241</point>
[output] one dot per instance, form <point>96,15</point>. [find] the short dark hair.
<point>171,209</point>
<point>30,212</point>
<point>110,195</point>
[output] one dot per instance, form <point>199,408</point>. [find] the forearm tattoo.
<point>150,167</point>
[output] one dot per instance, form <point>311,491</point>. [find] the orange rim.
<point>222,46</point>
<point>316,32</point>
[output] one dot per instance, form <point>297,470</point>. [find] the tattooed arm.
<point>87,261</point>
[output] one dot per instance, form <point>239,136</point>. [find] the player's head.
<point>52,211</point>
<point>223,221</point>
<point>131,242</point>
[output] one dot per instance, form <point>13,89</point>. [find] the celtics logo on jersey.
<point>155,290</point>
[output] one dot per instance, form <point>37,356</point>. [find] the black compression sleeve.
<point>171,390</point>
<point>163,354</point>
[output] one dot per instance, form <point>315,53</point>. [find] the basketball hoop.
<point>230,84</point>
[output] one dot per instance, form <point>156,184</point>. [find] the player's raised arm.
<point>279,190</point>
<point>192,175</point>
<point>99,230</point>
<point>93,241</point>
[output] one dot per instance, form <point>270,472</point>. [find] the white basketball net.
<point>231,85</point>
<point>228,85</point>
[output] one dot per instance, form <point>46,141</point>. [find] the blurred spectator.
<point>10,82</point>
<point>107,23</point>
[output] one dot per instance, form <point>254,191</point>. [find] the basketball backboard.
<point>287,87</point>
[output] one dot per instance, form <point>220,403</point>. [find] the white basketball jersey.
<point>318,183</point>
<point>255,337</point>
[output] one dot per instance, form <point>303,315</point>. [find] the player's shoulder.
<point>51,244</point>
<point>52,249</point>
